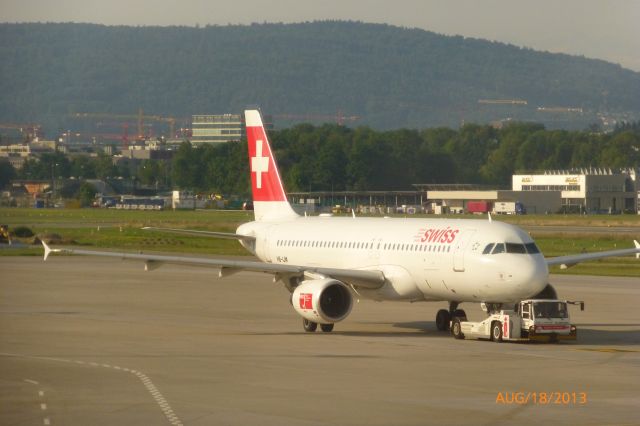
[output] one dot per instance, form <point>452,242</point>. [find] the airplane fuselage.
<point>422,259</point>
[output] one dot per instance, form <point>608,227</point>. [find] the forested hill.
<point>389,76</point>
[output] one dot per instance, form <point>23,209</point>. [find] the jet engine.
<point>324,301</point>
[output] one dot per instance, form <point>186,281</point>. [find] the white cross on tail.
<point>259,164</point>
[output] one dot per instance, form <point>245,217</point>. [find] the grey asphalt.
<point>87,341</point>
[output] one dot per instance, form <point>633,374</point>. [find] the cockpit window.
<point>516,248</point>
<point>532,248</point>
<point>488,248</point>
<point>499,248</point>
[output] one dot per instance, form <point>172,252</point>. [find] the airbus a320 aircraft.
<point>326,262</point>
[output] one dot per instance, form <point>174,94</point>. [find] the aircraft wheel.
<point>326,328</point>
<point>456,328</point>
<point>309,326</point>
<point>442,320</point>
<point>496,331</point>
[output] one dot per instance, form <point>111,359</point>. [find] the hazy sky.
<point>607,30</point>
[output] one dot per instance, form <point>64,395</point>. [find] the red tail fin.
<point>269,199</point>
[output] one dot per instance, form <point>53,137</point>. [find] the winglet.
<point>637,247</point>
<point>489,216</point>
<point>48,250</point>
<point>353,213</point>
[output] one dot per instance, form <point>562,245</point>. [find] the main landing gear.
<point>310,326</point>
<point>444,317</point>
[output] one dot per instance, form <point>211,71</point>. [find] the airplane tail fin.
<point>269,199</point>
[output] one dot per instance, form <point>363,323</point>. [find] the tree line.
<point>332,157</point>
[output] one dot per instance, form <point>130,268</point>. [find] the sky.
<point>608,30</point>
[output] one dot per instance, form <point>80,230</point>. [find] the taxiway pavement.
<point>97,341</point>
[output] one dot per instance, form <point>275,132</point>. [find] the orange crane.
<point>30,130</point>
<point>140,117</point>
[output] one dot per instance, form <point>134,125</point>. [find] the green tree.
<point>86,194</point>
<point>622,150</point>
<point>187,167</point>
<point>7,173</point>
<point>83,167</point>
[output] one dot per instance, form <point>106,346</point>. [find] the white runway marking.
<point>43,406</point>
<point>146,381</point>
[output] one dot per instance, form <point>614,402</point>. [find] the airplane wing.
<point>224,235</point>
<point>570,260</point>
<point>358,277</point>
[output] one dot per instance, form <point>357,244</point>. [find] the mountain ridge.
<point>390,76</point>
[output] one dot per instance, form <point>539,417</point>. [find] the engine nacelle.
<point>325,301</point>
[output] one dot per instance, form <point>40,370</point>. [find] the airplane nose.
<point>531,275</point>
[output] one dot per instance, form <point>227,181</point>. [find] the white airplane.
<point>326,262</point>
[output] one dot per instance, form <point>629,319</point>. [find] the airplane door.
<point>374,251</point>
<point>459,247</point>
<point>262,247</point>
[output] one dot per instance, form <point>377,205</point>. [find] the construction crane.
<point>31,130</point>
<point>338,118</point>
<point>139,117</point>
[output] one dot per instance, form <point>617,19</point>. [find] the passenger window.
<point>488,248</point>
<point>499,248</point>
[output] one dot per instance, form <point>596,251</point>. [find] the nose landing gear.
<point>444,317</point>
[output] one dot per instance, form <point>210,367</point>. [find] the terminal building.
<point>220,128</point>
<point>589,190</point>
<point>456,198</point>
<point>586,190</point>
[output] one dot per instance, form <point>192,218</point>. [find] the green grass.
<point>204,219</point>
<point>571,243</point>
<point>120,229</point>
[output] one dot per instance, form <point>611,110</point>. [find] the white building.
<point>579,191</point>
<point>591,190</point>
<point>220,128</point>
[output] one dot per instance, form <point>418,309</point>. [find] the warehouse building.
<point>589,190</point>
<point>461,198</point>
<point>553,191</point>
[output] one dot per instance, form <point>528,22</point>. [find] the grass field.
<point>121,229</point>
